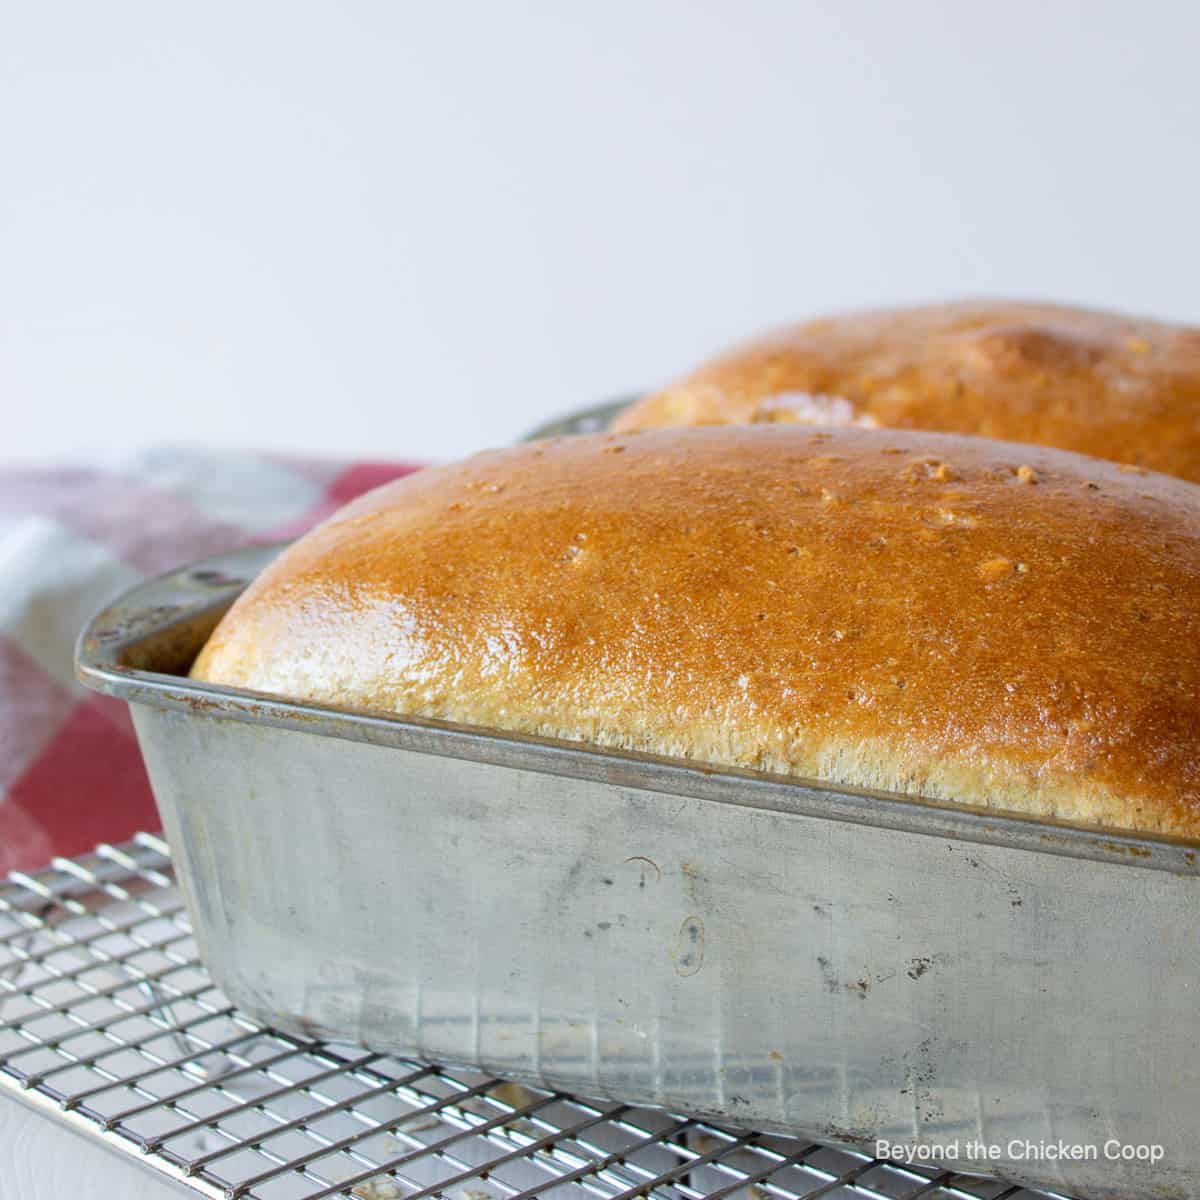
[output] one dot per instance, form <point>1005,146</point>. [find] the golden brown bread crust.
<point>1113,386</point>
<point>939,615</point>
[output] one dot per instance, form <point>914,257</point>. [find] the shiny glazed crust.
<point>938,615</point>
<point>1104,384</point>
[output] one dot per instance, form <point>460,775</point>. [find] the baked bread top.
<point>931,614</point>
<point>1113,386</point>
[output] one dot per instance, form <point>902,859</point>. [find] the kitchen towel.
<point>73,538</point>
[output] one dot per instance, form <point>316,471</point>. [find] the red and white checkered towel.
<point>70,540</point>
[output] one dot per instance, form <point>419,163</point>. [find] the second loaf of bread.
<point>937,615</point>
<point>1114,386</point>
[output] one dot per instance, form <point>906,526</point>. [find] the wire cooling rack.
<point>109,1024</point>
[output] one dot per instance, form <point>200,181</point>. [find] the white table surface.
<point>41,1160</point>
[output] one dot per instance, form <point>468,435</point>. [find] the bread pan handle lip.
<point>596,418</point>
<point>211,585</point>
<point>155,605</point>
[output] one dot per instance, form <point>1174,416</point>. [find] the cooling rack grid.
<point>110,1024</point>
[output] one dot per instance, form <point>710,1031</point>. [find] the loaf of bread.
<point>932,614</point>
<point>1098,383</point>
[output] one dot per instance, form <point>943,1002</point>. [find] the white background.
<point>394,229</point>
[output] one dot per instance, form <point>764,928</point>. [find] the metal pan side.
<point>765,967</point>
<point>596,418</point>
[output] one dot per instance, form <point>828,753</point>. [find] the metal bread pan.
<point>594,419</point>
<point>756,950</point>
